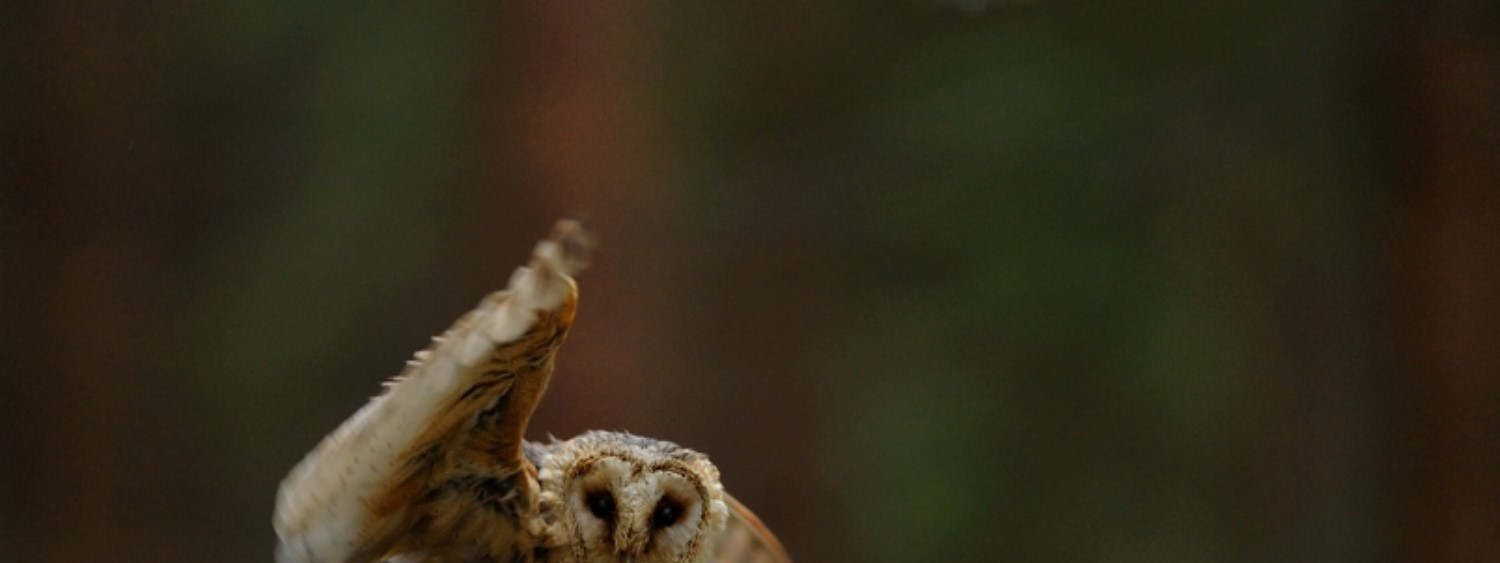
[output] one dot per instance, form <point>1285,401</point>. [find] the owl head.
<point>619,498</point>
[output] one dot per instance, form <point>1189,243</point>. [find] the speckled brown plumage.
<point>435,469</point>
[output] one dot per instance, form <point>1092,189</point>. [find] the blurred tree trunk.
<point>1450,80</point>
<point>562,106</point>
<point>99,182</point>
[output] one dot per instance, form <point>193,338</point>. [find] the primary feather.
<point>353,497</point>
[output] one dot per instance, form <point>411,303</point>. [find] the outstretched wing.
<point>437,457</point>
<point>746,539</point>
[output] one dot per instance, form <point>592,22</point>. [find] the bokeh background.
<point>968,281</point>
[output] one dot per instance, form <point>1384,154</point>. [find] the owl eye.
<point>666,513</point>
<point>601,504</point>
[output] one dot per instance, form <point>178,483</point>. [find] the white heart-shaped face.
<point>628,511</point>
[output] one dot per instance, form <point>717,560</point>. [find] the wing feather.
<point>746,539</point>
<point>465,400</point>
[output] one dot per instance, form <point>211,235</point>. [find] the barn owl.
<point>435,469</point>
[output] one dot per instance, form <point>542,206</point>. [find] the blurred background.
<point>966,281</point>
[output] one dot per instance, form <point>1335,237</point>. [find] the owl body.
<point>435,470</point>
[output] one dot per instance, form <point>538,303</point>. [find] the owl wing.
<point>746,539</point>
<point>461,405</point>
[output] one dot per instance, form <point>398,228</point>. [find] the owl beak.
<point>630,544</point>
<point>627,556</point>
